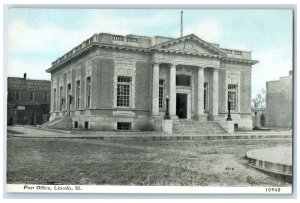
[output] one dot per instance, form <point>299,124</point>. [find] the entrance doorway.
<point>181,105</point>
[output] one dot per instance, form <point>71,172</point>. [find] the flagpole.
<point>181,26</point>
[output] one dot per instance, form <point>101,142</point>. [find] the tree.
<point>260,100</point>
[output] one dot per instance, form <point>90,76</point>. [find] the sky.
<point>37,37</point>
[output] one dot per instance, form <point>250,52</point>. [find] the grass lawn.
<point>93,161</point>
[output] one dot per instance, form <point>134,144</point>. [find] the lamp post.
<point>229,116</point>
<point>167,115</point>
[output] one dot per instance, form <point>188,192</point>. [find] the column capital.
<point>155,63</point>
<point>201,67</point>
<point>173,65</point>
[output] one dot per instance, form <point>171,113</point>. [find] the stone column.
<point>215,93</point>
<point>200,95</point>
<point>155,89</point>
<point>172,95</point>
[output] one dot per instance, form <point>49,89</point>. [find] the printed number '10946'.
<point>272,189</point>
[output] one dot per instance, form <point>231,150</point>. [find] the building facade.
<point>279,102</point>
<point>28,101</point>
<point>121,82</point>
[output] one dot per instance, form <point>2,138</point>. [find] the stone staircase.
<point>59,123</point>
<point>197,127</point>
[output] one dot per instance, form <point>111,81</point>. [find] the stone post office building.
<point>121,82</point>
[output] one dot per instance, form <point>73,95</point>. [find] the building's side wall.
<point>106,66</point>
<point>240,75</point>
<point>279,103</point>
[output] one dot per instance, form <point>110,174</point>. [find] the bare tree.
<point>260,100</point>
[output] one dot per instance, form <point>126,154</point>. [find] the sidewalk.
<point>33,132</point>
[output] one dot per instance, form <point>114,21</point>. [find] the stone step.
<point>197,127</point>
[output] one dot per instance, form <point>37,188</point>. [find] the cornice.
<point>247,61</point>
<point>65,59</point>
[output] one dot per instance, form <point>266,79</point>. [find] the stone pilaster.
<point>172,95</point>
<point>200,94</point>
<point>215,93</point>
<point>155,89</point>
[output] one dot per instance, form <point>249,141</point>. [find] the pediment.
<point>190,44</point>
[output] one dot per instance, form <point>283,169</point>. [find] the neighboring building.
<point>279,102</point>
<point>121,82</point>
<point>258,117</point>
<point>28,101</point>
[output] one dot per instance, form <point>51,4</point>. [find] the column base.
<point>215,118</point>
<point>200,118</point>
<point>156,117</point>
<point>174,117</point>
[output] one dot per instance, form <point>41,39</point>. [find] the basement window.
<point>236,126</point>
<point>86,125</point>
<point>75,124</point>
<point>123,126</point>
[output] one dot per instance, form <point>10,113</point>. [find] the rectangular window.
<point>78,94</point>
<point>69,94</point>
<point>88,92</point>
<point>75,124</point>
<point>123,91</point>
<point>123,126</point>
<point>86,125</point>
<point>61,97</point>
<point>31,96</point>
<point>161,93</point>
<point>183,80</point>
<point>232,95</point>
<point>54,99</point>
<point>205,96</point>
<point>46,96</point>
<point>17,96</point>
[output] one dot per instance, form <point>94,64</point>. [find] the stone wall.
<point>103,83</point>
<point>142,87</point>
<point>245,90</point>
<point>279,103</point>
